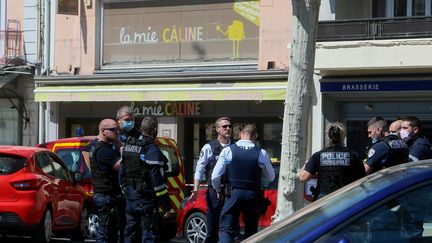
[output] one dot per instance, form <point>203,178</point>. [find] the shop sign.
<point>169,109</point>
<point>158,31</point>
<point>368,86</point>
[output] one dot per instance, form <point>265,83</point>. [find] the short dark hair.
<point>148,125</point>
<point>379,122</point>
<point>125,109</point>
<point>414,122</point>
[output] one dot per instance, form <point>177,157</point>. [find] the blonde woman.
<point>335,164</point>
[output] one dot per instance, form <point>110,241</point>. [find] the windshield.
<point>336,203</point>
<point>170,154</point>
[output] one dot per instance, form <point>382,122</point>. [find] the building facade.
<point>372,60</point>
<point>186,62</point>
<point>18,61</point>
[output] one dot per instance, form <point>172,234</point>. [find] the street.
<point>19,239</point>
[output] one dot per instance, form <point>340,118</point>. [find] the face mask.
<point>375,140</point>
<point>394,133</point>
<point>404,134</point>
<point>128,125</point>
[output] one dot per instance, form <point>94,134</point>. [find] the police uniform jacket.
<point>226,157</point>
<point>208,156</point>
<point>388,152</point>
<point>103,156</point>
<point>419,148</point>
<point>142,171</point>
<point>336,166</point>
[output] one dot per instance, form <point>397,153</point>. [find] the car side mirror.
<point>175,170</point>
<point>77,176</point>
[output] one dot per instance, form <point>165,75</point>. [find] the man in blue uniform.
<point>387,149</point>
<point>245,166</point>
<point>336,165</point>
<point>419,145</point>
<point>126,121</point>
<point>143,181</point>
<point>105,158</point>
<point>204,168</point>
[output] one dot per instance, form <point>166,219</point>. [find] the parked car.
<point>391,205</point>
<point>39,196</point>
<point>191,217</point>
<point>74,153</point>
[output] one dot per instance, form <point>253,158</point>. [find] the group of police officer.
<point>234,173</point>
<point>337,165</point>
<point>128,178</point>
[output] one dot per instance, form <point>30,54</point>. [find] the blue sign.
<point>376,86</point>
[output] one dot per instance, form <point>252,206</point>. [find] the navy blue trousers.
<point>213,214</point>
<point>245,201</point>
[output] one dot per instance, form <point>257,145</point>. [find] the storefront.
<point>186,112</point>
<point>355,100</point>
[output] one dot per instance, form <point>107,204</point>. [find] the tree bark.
<point>297,106</point>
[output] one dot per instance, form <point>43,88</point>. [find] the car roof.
<point>24,151</point>
<point>374,187</point>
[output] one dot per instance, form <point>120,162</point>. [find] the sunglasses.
<point>112,129</point>
<point>226,126</point>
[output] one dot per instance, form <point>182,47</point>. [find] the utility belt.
<point>138,186</point>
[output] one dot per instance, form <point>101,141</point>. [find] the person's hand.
<point>194,194</point>
<point>166,214</point>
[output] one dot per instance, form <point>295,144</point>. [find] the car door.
<point>70,195</point>
<point>51,189</point>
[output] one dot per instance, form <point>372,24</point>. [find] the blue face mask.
<point>375,140</point>
<point>128,125</point>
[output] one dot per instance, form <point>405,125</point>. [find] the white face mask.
<point>404,134</point>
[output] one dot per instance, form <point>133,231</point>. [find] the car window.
<point>59,171</point>
<point>11,164</point>
<point>171,155</point>
<point>404,218</point>
<point>74,161</point>
<point>43,161</point>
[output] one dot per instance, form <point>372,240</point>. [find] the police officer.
<point>419,145</point>
<point>204,168</point>
<point>105,158</point>
<point>245,165</point>
<point>387,149</point>
<point>126,121</point>
<point>336,165</point>
<point>143,181</point>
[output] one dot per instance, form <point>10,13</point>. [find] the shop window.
<point>176,32</point>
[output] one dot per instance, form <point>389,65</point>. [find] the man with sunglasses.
<point>204,168</point>
<point>105,157</point>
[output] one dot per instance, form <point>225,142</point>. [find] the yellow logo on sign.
<point>235,33</point>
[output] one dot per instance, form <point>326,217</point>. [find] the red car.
<point>39,196</point>
<point>191,218</point>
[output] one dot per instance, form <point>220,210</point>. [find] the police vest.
<point>334,173</point>
<point>104,181</point>
<point>136,170</point>
<point>243,172</point>
<point>398,151</point>
<point>216,148</point>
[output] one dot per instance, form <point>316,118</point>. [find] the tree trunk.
<point>297,106</point>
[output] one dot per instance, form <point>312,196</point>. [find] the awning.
<point>268,90</point>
